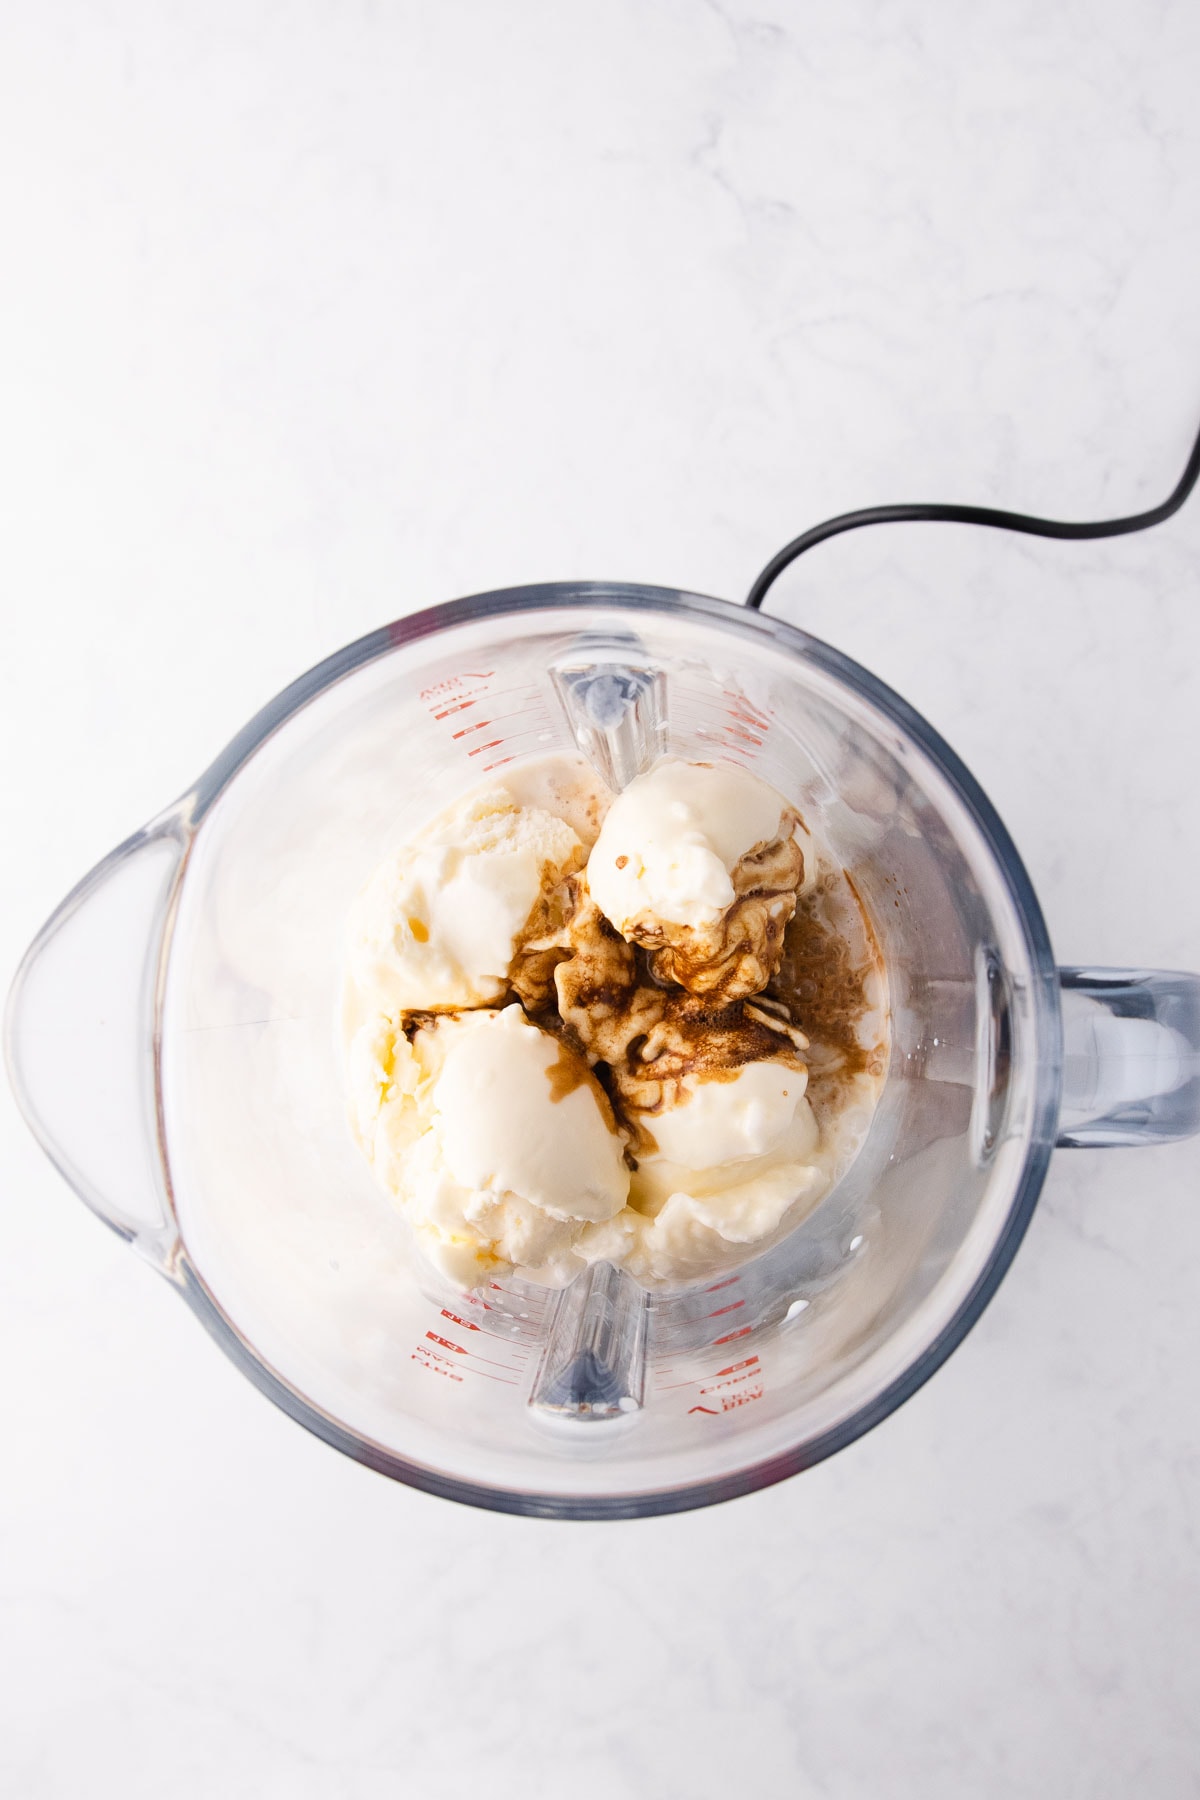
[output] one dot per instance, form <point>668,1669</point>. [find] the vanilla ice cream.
<point>728,1152</point>
<point>725,1117</point>
<point>682,1223</point>
<point>494,1138</point>
<point>507,989</point>
<point>700,863</point>
<point>438,923</point>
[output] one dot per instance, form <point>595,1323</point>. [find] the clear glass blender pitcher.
<point>171,1041</point>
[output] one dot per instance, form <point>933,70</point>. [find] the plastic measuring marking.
<point>748,724</point>
<point>729,721</point>
<point>443,1354</point>
<point>490,1335</point>
<point>717,1391</point>
<point>493,724</point>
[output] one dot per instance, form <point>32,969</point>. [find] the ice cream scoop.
<point>714,1090</point>
<point>493,1137</point>
<point>700,863</point>
<point>734,1153</point>
<point>725,1116</point>
<point>437,925</point>
<point>682,1223</point>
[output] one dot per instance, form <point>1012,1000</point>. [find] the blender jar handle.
<point>1131,1056</point>
<point>80,1034</point>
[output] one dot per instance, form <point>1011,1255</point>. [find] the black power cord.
<point>975,515</point>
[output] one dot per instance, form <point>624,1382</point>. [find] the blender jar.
<point>171,1041</point>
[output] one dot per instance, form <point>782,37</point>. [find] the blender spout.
<point>594,1362</point>
<point>615,700</point>
<point>82,1035</point>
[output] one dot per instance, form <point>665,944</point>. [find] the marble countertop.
<point>316,315</point>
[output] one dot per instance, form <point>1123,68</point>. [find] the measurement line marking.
<point>524,731</point>
<point>496,719</point>
<point>669,1387</point>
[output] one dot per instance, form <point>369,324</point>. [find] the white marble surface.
<point>312,315</point>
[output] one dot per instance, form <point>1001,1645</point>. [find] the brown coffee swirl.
<point>738,953</point>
